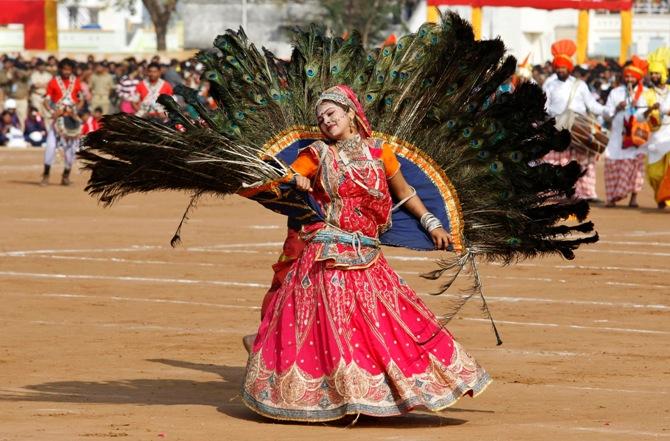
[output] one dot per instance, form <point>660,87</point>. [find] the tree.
<point>160,12</point>
<point>371,17</point>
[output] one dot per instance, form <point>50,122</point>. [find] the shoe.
<point>65,181</point>
<point>45,180</point>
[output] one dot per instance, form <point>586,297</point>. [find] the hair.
<point>98,109</point>
<point>154,64</point>
<point>67,62</point>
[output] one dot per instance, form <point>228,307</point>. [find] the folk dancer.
<point>624,160</point>
<point>62,100</point>
<point>566,97</point>
<point>658,147</point>
<point>148,91</point>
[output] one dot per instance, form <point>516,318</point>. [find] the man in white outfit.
<point>567,96</point>
<point>624,160</point>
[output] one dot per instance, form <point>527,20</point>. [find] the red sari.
<point>343,333</point>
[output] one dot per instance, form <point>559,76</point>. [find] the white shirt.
<point>659,142</point>
<point>614,148</point>
<point>40,80</point>
<point>558,94</point>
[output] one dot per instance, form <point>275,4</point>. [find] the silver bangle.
<point>429,222</point>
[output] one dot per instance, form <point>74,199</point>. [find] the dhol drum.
<point>588,136</point>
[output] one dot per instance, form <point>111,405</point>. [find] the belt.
<point>357,239</point>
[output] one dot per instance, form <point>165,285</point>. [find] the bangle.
<point>429,222</point>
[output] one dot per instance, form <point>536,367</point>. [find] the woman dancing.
<point>344,334</point>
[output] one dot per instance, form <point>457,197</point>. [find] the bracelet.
<point>429,222</point>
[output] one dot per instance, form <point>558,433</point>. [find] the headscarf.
<point>563,50</point>
<point>659,60</point>
<point>343,94</point>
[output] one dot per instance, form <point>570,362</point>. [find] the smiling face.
<point>334,121</point>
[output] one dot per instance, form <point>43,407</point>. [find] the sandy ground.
<point>107,332</point>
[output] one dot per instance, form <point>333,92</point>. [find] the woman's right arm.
<point>305,167</point>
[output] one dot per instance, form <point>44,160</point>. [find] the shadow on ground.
<point>224,394</point>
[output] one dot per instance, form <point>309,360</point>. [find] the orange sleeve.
<point>306,163</point>
<point>391,163</point>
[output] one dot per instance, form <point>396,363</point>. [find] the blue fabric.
<point>406,231</point>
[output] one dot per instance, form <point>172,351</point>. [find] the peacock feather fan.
<point>435,89</point>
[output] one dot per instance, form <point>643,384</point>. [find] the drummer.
<point>567,97</point>
<point>62,100</point>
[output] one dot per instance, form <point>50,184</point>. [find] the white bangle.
<point>429,222</point>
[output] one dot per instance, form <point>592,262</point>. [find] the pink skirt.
<point>335,342</point>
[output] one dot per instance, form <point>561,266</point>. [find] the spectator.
<point>172,75</point>
<point>10,132</point>
<point>91,122</point>
<point>39,80</point>
<point>101,85</point>
<point>149,90</point>
<point>16,84</point>
<point>35,132</point>
<point>126,89</point>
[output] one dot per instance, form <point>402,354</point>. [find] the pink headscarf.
<point>343,94</point>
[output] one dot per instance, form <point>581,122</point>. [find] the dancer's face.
<point>630,80</point>
<point>334,121</point>
<point>655,78</point>
<point>562,73</point>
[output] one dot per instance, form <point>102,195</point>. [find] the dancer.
<point>658,147</point>
<point>148,91</point>
<point>341,333</point>
<point>568,97</point>
<point>62,101</point>
<point>624,160</point>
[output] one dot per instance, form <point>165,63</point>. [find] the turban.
<point>563,50</point>
<point>637,68</point>
<point>659,61</point>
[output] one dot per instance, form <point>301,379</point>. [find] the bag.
<point>636,133</point>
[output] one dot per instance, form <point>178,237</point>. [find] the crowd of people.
<point>103,87</point>
<point>53,102</point>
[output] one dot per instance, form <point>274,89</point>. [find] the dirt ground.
<point>107,332</point>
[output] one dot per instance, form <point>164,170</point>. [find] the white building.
<point>532,31</point>
<point>97,26</point>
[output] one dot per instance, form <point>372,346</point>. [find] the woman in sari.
<point>343,333</point>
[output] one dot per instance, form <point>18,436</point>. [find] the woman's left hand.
<point>441,238</point>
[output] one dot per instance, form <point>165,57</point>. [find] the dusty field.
<point>107,332</point>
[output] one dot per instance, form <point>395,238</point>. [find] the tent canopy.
<point>611,5</point>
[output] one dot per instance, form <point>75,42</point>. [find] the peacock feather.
<point>433,89</point>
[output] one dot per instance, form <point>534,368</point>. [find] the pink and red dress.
<point>343,333</point>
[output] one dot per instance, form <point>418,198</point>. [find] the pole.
<point>432,14</point>
<point>626,35</point>
<point>51,25</point>
<point>477,22</point>
<point>582,35</point>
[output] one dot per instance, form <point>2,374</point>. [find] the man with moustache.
<point>624,161</point>
<point>658,146</point>
<point>567,96</point>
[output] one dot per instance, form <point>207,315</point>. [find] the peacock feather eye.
<point>434,40</point>
<point>370,58</point>
<point>311,72</point>
<point>239,115</point>
<point>335,69</point>
<point>394,74</point>
<point>516,156</point>
<point>275,95</point>
<point>476,143</point>
<point>496,167</point>
<point>483,155</point>
<point>362,78</point>
<point>380,78</point>
<point>422,32</point>
<point>418,56</point>
<point>248,78</point>
<point>370,97</point>
<point>514,241</point>
<point>386,52</point>
<point>467,132</point>
<point>427,82</point>
<point>471,107</point>
<point>388,100</point>
<point>451,124</point>
<point>506,195</point>
<point>404,76</point>
<point>232,60</point>
<point>452,88</point>
<point>400,45</point>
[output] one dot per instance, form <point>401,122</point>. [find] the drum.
<point>68,127</point>
<point>588,136</point>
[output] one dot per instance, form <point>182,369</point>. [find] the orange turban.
<point>563,50</point>
<point>637,68</point>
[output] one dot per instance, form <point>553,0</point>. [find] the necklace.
<point>348,145</point>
